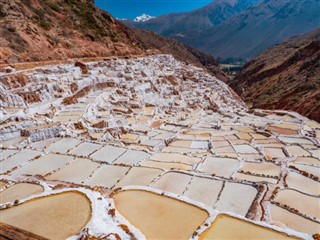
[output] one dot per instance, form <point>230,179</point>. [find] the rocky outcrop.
<point>284,77</point>
<point>14,81</point>
<point>82,66</point>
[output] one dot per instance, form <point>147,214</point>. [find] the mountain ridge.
<point>200,19</point>
<point>242,29</point>
<point>286,76</point>
<point>259,27</point>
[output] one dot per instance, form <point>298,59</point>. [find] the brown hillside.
<point>286,76</point>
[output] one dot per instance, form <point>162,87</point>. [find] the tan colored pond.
<point>227,227</point>
<point>302,183</point>
<point>290,140</point>
<point>273,153</point>
<point>181,143</point>
<point>282,130</point>
<point>57,216</point>
<point>159,217</point>
<point>182,150</point>
<point>2,184</point>
<point>166,165</point>
<point>139,176</point>
<point>297,151</point>
<point>76,172</point>
<point>234,200</point>
<point>44,165</point>
<point>294,221</point>
<point>19,191</point>
<point>18,159</point>
<point>85,149</point>
<point>246,149</point>
<point>252,178</point>
<point>108,154</point>
<point>174,157</point>
<point>261,168</point>
<point>307,160</point>
<point>219,166</point>
<point>6,153</point>
<point>132,157</point>
<point>173,182</point>
<point>309,169</point>
<point>304,203</point>
<point>204,190</point>
<point>63,145</point>
<point>107,176</point>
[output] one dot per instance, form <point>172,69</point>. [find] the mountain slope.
<point>287,76</point>
<point>56,29</point>
<point>258,28</point>
<point>38,30</point>
<point>178,24</point>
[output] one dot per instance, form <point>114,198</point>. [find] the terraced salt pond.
<point>139,176</point>
<point>18,159</point>
<point>305,203</point>
<point>159,217</point>
<point>303,184</point>
<point>77,171</point>
<point>19,191</point>
<point>57,216</point>
<point>107,176</point>
<point>224,167</point>
<point>4,154</point>
<point>261,168</point>
<point>2,184</point>
<point>294,221</point>
<point>63,145</point>
<point>173,182</point>
<point>166,165</point>
<point>253,178</point>
<point>174,157</point>
<point>227,227</point>
<point>44,165</point>
<point>195,142</point>
<point>232,198</point>
<point>204,190</point>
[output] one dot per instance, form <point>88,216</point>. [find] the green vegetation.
<point>42,18</point>
<point>85,12</point>
<point>54,7</point>
<point>44,24</point>
<point>295,100</point>
<point>113,36</point>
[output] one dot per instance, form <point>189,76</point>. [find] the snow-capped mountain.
<point>143,18</point>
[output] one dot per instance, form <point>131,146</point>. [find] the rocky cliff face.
<point>36,30</point>
<point>284,77</point>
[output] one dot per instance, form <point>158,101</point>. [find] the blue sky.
<point>132,8</point>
